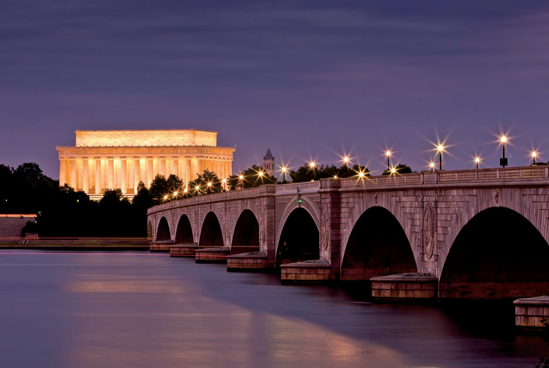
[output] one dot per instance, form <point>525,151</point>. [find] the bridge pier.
<point>248,262</point>
<point>308,272</point>
<point>529,312</point>
<point>183,250</point>
<point>405,287</point>
<point>212,255</point>
<point>160,245</point>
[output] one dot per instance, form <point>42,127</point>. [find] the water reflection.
<point>144,310</point>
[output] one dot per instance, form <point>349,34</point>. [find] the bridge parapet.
<point>481,177</point>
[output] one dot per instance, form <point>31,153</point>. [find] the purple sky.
<point>309,79</point>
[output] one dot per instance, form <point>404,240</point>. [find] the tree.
<point>400,169</point>
<point>250,178</point>
<point>29,170</point>
<point>308,173</point>
<point>206,183</point>
<point>161,187</point>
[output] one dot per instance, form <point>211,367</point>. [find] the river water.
<point>138,309</point>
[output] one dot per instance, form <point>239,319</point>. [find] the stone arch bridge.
<point>476,233</point>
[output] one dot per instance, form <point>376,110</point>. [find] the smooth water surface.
<point>137,309</point>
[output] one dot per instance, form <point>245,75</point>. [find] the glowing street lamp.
<point>224,181</point>
<point>241,177</point>
<point>432,166</point>
<point>393,171</point>
<point>165,197</point>
<point>209,183</point>
<point>477,161</point>
<point>388,155</point>
<point>361,174</point>
<point>185,190</point>
<point>312,164</point>
<point>346,160</point>
<point>503,161</point>
<point>534,155</point>
<point>175,194</point>
<point>260,174</point>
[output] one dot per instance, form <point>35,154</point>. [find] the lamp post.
<point>6,201</point>
<point>388,155</point>
<point>241,181</point>
<point>477,161</point>
<point>503,160</point>
<point>224,181</point>
<point>312,165</point>
<point>284,171</point>
<point>432,166</point>
<point>534,155</point>
<point>440,149</point>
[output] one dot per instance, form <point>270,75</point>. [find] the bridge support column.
<point>266,220</point>
<point>307,272</point>
<point>183,250</point>
<point>161,245</point>
<point>212,255</point>
<point>529,312</point>
<point>405,287</point>
<point>249,262</point>
<point>330,225</point>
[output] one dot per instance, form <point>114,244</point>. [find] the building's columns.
<point>110,173</point>
<point>162,168</point>
<point>130,173</point>
<point>188,171</point>
<point>194,167</point>
<point>155,170</point>
<point>72,168</point>
<point>124,178</point>
<point>62,171</point>
<point>98,175</point>
<point>85,176</point>
<point>150,170</point>
<point>175,167</point>
<point>136,173</point>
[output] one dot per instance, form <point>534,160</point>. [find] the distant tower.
<point>269,163</point>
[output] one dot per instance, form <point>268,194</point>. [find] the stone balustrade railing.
<point>512,174</point>
<point>503,175</point>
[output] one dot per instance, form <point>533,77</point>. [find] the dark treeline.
<point>64,212</point>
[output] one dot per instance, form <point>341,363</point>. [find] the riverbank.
<point>75,243</point>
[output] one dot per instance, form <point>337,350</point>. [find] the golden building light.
<point>175,194</point>
<point>165,197</point>
<point>185,190</point>
<point>241,177</point>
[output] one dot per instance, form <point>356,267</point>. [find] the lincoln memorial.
<point>122,158</point>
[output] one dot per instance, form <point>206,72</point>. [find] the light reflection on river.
<point>136,309</point>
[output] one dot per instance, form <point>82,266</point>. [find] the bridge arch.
<point>377,245</point>
<point>163,230</point>
<point>184,231</point>
<point>246,233</point>
<point>306,204</point>
<point>211,233</point>
<point>498,253</point>
<point>299,238</point>
<point>362,205</point>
